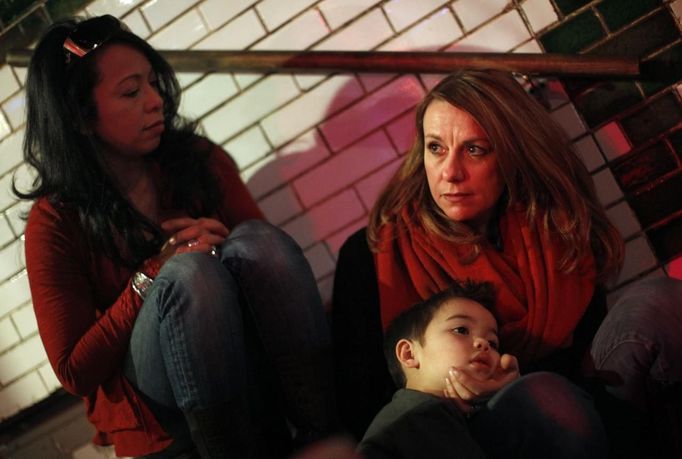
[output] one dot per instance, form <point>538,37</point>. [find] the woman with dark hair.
<point>492,191</point>
<point>186,322</point>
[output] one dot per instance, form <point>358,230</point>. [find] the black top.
<point>418,425</point>
<point>363,382</point>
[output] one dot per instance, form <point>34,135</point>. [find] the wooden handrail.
<point>385,61</point>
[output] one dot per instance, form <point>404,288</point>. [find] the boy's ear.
<point>405,351</point>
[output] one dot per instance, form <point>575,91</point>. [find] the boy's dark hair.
<point>411,323</point>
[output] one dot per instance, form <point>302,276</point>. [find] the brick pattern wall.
<point>316,149</point>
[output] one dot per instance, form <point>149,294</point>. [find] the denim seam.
<point>178,354</point>
<point>633,339</point>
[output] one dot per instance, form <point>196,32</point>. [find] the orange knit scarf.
<point>537,307</point>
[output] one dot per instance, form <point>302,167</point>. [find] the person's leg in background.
<point>637,354</point>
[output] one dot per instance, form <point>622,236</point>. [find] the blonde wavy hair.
<point>537,163</point>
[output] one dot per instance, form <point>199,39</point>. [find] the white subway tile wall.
<point>624,219</point>
<point>539,13</point>
<point>15,110</point>
<point>473,13</point>
<point>10,151</point>
<point>607,188</point>
<point>274,13</point>
<point>346,167</point>
<point>207,94</point>
<point>589,152</point>
<point>570,120</point>
<point>135,22</point>
<point>8,334</point>
<point>503,34</point>
<point>158,12</point>
<point>115,7</point>
<point>236,34</point>
<point>676,8</point>
<point>289,37</point>
<point>315,150</point>
<point>612,140</point>
<point>402,13</point>
<point>181,33</point>
<point>218,12</point>
<point>6,233</point>
<point>531,46</point>
<point>5,128</point>
<point>8,82</point>
<point>311,108</point>
<point>248,147</point>
<point>638,257</point>
<point>431,34</point>
<point>338,12</point>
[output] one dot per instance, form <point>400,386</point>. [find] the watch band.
<point>140,283</point>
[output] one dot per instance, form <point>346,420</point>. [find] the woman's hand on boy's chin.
<point>466,391</point>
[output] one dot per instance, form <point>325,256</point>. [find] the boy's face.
<point>461,334</point>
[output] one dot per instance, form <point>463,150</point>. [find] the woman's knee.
<point>196,279</point>
<point>649,302</point>
<point>190,269</point>
<point>641,332</point>
<point>259,241</point>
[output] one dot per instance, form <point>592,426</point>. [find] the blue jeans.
<point>637,353</point>
<point>540,415</point>
<point>247,326</point>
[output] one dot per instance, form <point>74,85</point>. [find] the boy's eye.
<point>461,330</point>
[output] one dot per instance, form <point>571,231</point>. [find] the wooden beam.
<point>386,61</point>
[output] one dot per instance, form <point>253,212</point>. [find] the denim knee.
<point>639,342</point>
<point>258,239</point>
<point>197,274</point>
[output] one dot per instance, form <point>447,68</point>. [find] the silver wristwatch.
<point>140,283</point>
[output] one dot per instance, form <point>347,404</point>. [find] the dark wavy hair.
<point>68,157</point>
<point>412,323</point>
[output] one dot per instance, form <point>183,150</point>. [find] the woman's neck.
<point>135,179</point>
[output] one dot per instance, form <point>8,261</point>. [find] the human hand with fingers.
<point>192,235</point>
<point>466,391</point>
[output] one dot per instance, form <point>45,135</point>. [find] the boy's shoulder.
<point>406,402</point>
<point>417,424</point>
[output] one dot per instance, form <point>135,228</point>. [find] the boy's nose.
<point>481,344</point>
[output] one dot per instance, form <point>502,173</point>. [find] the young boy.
<point>452,329</point>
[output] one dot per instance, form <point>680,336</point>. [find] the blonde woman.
<point>492,191</point>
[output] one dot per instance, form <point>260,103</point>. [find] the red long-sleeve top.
<point>86,309</point>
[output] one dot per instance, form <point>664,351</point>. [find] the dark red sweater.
<point>86,309</point>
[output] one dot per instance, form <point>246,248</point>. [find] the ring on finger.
<point>192,243</point>
<point>214,251</point>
